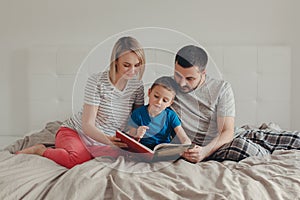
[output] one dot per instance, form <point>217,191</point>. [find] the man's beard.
<point>186,89</point>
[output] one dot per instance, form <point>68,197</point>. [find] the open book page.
<point>167,149</point>
<point>133,145</point>
<point>164,150</point>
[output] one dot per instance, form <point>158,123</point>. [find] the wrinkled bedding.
<point>276,176</point>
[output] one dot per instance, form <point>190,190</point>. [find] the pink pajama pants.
<point>70,151</point>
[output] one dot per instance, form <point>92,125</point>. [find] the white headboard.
<point>260,77</point>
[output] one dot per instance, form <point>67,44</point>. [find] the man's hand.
<point>195,154</point>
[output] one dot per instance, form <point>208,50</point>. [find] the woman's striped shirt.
<point>114,106</point>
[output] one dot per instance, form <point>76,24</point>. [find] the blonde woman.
<point>109,99</point>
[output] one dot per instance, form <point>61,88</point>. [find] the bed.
<point>275,176</point>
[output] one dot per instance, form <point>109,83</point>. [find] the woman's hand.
<point>117,142</point>
<point>195,154</point>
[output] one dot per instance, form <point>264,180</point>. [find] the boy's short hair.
<point>166,82</point>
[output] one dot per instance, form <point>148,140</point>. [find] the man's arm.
<point>226,131</point>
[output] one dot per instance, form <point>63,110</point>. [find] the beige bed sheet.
<point>32,177</point>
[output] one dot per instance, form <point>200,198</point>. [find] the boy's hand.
<point>140,132</point>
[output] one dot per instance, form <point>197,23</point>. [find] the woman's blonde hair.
<point>122,45</point>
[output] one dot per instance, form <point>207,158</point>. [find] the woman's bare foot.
<point>37,149</point>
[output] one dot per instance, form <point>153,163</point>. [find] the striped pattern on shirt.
<point>114,106</point>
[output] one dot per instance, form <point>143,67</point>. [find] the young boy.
<point>156,123</point>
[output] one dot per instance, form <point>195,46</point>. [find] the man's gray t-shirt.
<point>199,109</point>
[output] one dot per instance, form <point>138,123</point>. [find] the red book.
<point>164,151</point>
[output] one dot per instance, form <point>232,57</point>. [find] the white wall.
<point>295,43</point>
<point>231,22</point>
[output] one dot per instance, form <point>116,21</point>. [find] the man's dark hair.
<point>191,55</point>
